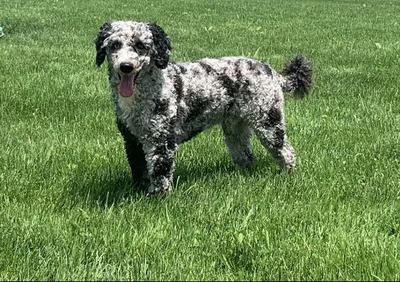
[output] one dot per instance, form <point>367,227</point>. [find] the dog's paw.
<point>157,190</point>
<point>245,162</point>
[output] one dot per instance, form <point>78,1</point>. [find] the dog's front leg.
<point>160,163</point>
<point>135,155</point>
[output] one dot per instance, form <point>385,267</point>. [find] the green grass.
<point>67,210</point>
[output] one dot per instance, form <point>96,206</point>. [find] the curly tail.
<point>297,76</point>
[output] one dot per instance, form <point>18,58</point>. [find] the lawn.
<point>67,208</point>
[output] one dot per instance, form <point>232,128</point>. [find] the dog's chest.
<point>136,114</point>
<point>126,106</point>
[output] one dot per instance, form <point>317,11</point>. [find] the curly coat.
<point>159,104</point>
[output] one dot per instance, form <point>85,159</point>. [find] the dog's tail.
<point>297,76</point>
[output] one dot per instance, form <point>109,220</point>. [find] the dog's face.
<point>131,47</point>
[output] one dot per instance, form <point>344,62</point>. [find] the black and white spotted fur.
<point>160,105</point>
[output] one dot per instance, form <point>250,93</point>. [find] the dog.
<point>160,104</point>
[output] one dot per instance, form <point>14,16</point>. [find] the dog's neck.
<point>149,82</point>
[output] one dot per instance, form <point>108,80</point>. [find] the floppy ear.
<point>162,46</point>
<point>105,31</point>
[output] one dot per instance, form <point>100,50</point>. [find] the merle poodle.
<point>160,104</point>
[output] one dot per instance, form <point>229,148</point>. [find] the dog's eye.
<point>140,46</point>
<point>115,45</point>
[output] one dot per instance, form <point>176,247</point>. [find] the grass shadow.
<point>104,187</point>
<point>113,185</point>
<point>209,170</point>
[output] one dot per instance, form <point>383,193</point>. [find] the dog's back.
<point>211,90</point>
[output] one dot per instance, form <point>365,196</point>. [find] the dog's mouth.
<point>126,86</point>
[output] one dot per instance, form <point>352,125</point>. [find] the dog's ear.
<point>104,32</point>
<point>162,45</point>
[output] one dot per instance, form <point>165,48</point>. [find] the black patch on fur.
<point>104,32</point>
<point>242,81</point>
<point>162,45</point>
<point>162,167</point>
<point>196,106</point>
<point>134,153</point>
<point>259,68</point>
<point>171,141</point>
<point>179,68</point>
<point>230,86</point>
<point>166,143</point>
<point>197,111</point>
<point>161,107</point>
<point>206,67</point>
<point>267,69</point>
<point>161,150</point>
<point>196,72</point>
<point>171,137</point>
<point>182,69</point>
<point>274,117</point>
<point>252,66</point>
<point>178,85</point>
<point>238,72</point>
<point>180,114</point>
<point>279,136</point>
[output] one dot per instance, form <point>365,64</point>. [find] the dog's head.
<point>132,47</point>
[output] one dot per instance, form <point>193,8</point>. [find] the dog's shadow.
<point>103,187</point>
<point>113,185</point>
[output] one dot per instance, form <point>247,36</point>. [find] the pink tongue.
<point>126,86</point>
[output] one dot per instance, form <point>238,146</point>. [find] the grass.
<point>67,210</point>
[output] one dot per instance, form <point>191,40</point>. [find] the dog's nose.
<point>126,67</point>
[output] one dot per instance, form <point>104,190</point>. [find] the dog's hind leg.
<point>237,135</point>
<point>270,130</point>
